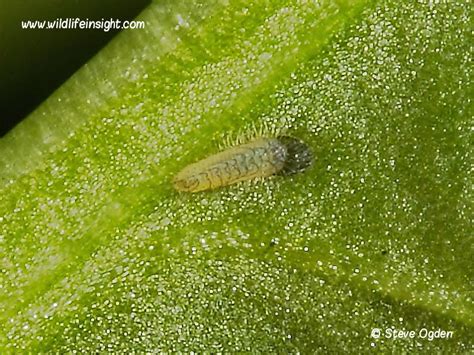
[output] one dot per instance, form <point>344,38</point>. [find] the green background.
<point>99,253</point>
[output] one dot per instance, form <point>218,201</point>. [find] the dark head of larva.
<point>298,156</point>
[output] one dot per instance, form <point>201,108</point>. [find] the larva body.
<point>258,159</point>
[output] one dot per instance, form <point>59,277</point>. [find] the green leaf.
<point>99,253</point>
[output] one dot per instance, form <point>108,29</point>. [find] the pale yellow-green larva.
<point>260,158</point>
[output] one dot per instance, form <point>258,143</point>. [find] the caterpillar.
<point>263,157</point>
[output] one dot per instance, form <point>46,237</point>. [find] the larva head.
<point>189,183</point>
<point>298,158</point>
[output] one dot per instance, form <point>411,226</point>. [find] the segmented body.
<point>261,158</point>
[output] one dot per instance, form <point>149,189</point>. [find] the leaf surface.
<point>99,253</point>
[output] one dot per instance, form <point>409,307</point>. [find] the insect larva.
<point>260,158</point>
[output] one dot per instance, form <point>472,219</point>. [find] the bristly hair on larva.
<point>260,129</point>
<point>260,158</point>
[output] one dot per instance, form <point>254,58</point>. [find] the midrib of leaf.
<point>117,210</point>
